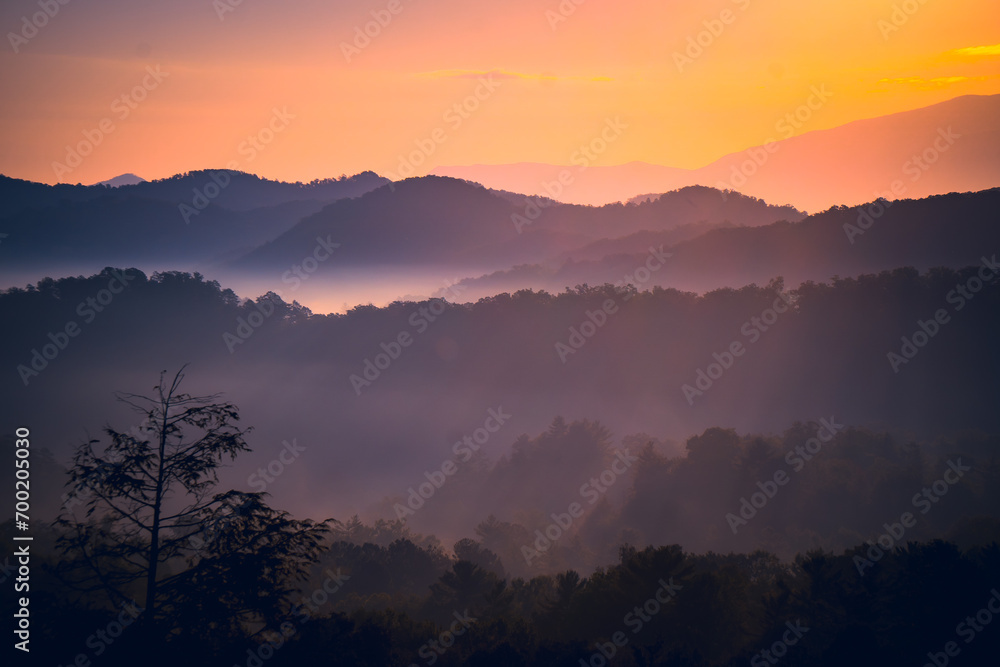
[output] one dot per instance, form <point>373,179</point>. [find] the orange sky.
<point>557,85</point>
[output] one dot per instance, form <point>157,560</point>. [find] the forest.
<point>812,547</point>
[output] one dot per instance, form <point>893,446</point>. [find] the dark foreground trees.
<point>147,530</point>
<point>220,586</point>
<point>923,603</point>
<point>662,606</point>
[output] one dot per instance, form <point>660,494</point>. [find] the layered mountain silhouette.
<point>951,230</point>
<point>500,235</point>
<point>433,219</point>
<point>946,147</point>
<point>243,191</point>
<point>189,219</point>
<point>496,240</point>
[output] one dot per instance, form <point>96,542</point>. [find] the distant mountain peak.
<point>813,170</point>
<point>124,179</point>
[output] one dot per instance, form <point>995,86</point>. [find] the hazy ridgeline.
<point>333,244</point>
<point>366,435</point>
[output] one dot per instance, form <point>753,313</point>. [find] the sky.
<point>296,90</point>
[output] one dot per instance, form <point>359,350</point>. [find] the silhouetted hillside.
<point>660,362</point>
<point>443,221</point>
<point>242,192</point>
<point>392,603</point>
<point>185,221</point>
<point>118,229</point>
<point>946,230</point>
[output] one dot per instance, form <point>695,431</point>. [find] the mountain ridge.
<point>800,169</point>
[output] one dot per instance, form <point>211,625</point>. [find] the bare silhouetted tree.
<point>153,527</point>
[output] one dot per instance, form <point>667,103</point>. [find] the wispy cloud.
<point>921,83</point>
<point>976,51</point>
<point>926,84</point>
<point>505,74</point>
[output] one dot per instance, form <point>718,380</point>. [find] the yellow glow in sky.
<point>361,84</point>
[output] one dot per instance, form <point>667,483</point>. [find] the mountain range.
<point>946,147</point>
<point>199,218</point>
<point>488,241</point>
<point>433,220</point>
<point>410,234</point>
